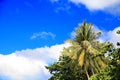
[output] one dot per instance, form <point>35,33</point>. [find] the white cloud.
<point>112,6</point>
<point>21,68</point>
<point>29,64</point>
<point>111,36</point>
<point>43,35</point>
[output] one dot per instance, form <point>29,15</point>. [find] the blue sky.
<point>34,24</point>
<point>19,19</point>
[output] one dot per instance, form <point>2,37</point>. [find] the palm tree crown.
<point>85,49</point>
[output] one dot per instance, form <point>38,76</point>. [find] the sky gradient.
<point>41,26</point>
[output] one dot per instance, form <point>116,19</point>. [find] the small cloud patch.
<point>43,35</point>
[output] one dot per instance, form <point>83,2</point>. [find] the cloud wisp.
<point>43,35</point>
<point>29,64</point>
<point>61,6</point>
<point>111,6</point>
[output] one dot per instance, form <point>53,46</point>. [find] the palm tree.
<point>87,50</point>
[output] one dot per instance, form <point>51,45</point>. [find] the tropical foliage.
<point>85,58</point>
<point>66,69</point>
<point>111,72</point>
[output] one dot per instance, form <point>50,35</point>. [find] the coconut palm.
<point>87,50</point>
<point>84,57</point>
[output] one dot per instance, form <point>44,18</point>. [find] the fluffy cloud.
<point>21,68</point>
<point>112,6</point>
<point>29,64</point>
<point>43,35</point>
<point>111,36</point>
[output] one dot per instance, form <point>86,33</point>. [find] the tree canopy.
<point>85,58</point>
<point>111,71</point>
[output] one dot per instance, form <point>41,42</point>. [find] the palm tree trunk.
<point>91,66</point>
<point>88,77</point>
